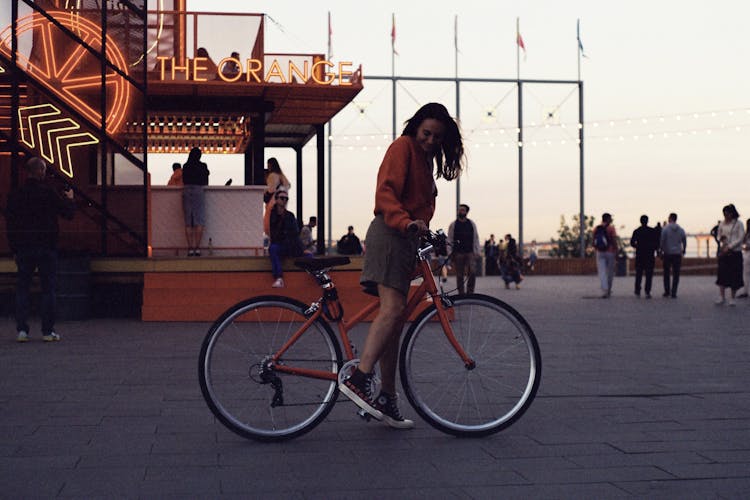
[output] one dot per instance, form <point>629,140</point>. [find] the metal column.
<point>320,140</point>
<point>458,119</point>
<point>581,215</point>
<point>520,168</point>
<point>258,125</point>
<point>14,100</point>
<point>298,151</point>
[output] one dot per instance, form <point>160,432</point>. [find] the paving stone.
<point>638,398</point>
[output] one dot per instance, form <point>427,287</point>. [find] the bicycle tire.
<point>457,399</point>
<point>242,394</point>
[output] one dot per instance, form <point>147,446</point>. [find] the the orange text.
<point>231,69</point>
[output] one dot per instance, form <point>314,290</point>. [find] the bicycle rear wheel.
<point>241,384</point>
<point>478,400</point>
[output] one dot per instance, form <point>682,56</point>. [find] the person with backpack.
<point>605,243</point>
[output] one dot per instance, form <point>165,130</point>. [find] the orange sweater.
<point>176,179</point>
<point>405,190</point>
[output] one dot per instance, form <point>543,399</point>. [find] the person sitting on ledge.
<point>210,71</point>
<point>284,236</point>
<point>230,69</point>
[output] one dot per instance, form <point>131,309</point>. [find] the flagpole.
<point>393,74</point>
<point>518,49</point>
<point>458,98</point>
<point>578,46</point>
<point>581,210</point>
<point>520,138</point>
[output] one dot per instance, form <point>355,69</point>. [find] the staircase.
<point>6,90</point>
<point>59,119</point>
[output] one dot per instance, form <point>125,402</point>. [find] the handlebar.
<point>432,241</point>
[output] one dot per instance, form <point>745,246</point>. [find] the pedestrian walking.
<point>673,246</point>
<point>731,236</point>
<point>605,244</point>
<point>746,261</point>
<point>349,244</point>
<point>404,205</point>
<point>645,243</point>
<point>464,239</point>
<point>533,254</point>
<point>510,271</point>
<point>33,229</point>
<point>491,256</point>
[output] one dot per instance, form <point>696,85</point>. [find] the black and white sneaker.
<point>388,406</point>
<point>358,388</point>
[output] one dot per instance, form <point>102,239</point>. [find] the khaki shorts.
<point>390,258</point>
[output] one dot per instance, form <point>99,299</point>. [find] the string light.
<point>613,123</point>
<point>488,136</point>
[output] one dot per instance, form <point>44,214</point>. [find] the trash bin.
<point>73,287</point>
<point>621,265</point>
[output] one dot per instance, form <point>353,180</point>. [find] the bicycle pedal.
<point>364,415</point>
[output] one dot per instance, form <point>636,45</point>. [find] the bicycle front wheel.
<point>242,384</point>
<point>485,397</point>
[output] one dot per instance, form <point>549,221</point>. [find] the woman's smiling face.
<point>430,134</point>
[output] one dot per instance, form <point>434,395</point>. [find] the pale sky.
<point>653,68</point>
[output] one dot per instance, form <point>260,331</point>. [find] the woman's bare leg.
<point>383,338</point>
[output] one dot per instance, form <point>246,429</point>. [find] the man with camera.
<point>33,230</point>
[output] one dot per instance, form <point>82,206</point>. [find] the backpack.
<point>601,242</point>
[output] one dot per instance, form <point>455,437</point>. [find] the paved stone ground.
<point>638,399</point>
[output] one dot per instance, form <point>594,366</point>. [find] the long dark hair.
<point>273,166</point>
<point>450,161</point>
<point>194,156</point>
<point>731,210</point>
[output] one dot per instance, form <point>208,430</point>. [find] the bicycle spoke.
<point>244,389</point>
<point>486,397</point>
<point>476,403</point>
<point>461,402</point>
<point>506,351</point>
<point>496,382</point>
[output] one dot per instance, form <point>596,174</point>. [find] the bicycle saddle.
<point>318,263</point>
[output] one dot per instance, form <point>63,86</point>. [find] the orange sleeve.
<point>389,192</point>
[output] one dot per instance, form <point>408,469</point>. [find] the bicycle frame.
<point>426,288</point>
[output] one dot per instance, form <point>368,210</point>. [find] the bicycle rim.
<point>239,383</point>
<point>471,401</point>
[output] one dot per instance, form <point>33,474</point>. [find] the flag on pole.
<point>330,32</point>
<point>519,40</point>
<point>578,37</point>
<point>393,33</point>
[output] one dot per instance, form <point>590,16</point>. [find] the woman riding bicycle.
<point>404,205</point>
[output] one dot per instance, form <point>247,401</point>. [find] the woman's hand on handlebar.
<point>417,227</point>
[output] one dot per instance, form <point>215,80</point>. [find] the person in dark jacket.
<point>285,240</point>
<point>645,242</point>
<point>33,231</point>
<point>349,244</point>
<point>194,178</point>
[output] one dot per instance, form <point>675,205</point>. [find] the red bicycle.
<point>269,366</point>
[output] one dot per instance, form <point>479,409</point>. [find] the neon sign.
<point>198,70</point>
<point>58,70</point>
<point>43,125</point>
